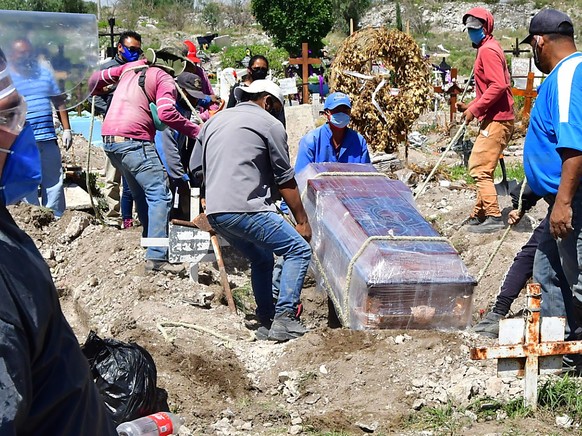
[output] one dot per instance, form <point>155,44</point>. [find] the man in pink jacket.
<point>128,139</point>
<point>493,107</point>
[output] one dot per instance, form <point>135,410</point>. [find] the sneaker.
<point>490,225</point>
<point>164,266</point>
<point>489,326</point>
<point>127,223</point>
<point>262,333</point>
<point>285,327</point>
<point>474,221</point>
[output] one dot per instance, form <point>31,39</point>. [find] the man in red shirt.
<point>493,107</point>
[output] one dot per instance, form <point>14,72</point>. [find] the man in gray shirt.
<point>245,163</point>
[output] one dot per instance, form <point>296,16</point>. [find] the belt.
<point>111,139</point>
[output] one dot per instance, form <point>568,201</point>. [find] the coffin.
<point>380,262</point>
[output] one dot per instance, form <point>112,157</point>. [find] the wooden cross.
<point>540,349</point>
<point>305,61</point>
<point>529,93</point>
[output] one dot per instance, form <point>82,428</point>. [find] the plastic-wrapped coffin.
<point>381,263</point>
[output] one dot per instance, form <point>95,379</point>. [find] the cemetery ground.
<point>332,381</point>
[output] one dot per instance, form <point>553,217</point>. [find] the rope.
<point>162,330</point>
<point>87,178</point>
<point>505,233</point>
<point>444,153</point>
<point>453,142</point>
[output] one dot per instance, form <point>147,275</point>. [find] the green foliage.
<point>514,171</point>
<point>399,17</point>
<point>214,48</point>
<point>562,396</point>
<point>344,10</point>
<point>292,22</point>
<point>211,15</point>
<point>233,55</point>
<point>459,172</point>
<point>75,6</point>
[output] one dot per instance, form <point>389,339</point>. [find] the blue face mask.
<point>339,120</point>
<point>22,170</point>
<point>476,35</point>
<point>130,56</point>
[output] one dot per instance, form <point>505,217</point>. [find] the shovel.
<point>201,222</point>
<point>505,186</point>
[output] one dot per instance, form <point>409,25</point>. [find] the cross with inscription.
<point>305,61</point>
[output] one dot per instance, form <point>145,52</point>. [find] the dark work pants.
<point>520,271</point>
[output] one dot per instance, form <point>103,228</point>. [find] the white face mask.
<point>339,120</point>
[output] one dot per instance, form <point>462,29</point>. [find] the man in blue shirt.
<point>334,141</point>
<point>553,162</point>
<point>38,87</point>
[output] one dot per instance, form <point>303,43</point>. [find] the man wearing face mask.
<point>244,158</point>
<point>128,50</point>
<point>493,107</point>
<point>552,158</point>
<point>37,344</point>
<point>334,141</point>
<point>41,92</point>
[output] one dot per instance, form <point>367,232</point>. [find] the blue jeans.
<point>142,168</point>
<point>51,187</point>
<point>126,205</point>
<point>557,270</point>
<point>258,236</point>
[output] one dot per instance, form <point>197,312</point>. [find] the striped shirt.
<point>38,88</point>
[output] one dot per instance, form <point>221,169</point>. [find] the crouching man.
<point>244,157</point>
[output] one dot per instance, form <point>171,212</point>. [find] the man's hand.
<point>215,98</point>
<point>561,220</point>
<point>515,217</point>
<point>67,138</point>
<point>304,229</point>
<point>462,107</point>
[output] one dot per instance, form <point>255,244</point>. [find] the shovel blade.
<point>505,186</point>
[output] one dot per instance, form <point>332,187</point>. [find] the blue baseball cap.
<point>336,99</point>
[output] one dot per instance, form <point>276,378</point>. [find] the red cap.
<point>191,52</point>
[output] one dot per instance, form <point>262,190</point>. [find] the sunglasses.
<point>259,70</point>
<point>134,49</point>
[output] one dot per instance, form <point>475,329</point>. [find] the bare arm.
<point>290,194</point>
<point>561,217</point>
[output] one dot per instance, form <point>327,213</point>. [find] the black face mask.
<point>259,73</point>
<point>270,107</point>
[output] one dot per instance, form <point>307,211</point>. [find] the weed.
<point>305,379</point>
<point>243,298</point>
<point>514,171</point>
<point>562,396</point>
<point>444,419</point>
<point>459,172</point>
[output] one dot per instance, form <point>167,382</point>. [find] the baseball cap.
<point>192,53</point>
<point>472,22</point>
<point>191,83</point>
<point>336,99</point>
<point>258,86</point>
<point>549,21</point>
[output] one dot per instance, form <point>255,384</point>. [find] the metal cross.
<point>538,350</point>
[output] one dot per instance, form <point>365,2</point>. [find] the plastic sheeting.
<point>381,263</point>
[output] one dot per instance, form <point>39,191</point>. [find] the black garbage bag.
<point>125,375</point>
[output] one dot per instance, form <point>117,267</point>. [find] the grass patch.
<point>459,172</point>
<point>562,396</point>
<point>514,171</point>
<point>244,299</point>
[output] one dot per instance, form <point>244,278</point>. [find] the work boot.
<point>163,266</point>
<point>489,326</point>
<point>490,225</point>
<point>474,221</point>
<point>286,326</point>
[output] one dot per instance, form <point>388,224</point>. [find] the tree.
<point>399,17</point>
<point>292,22</point>
<point>346,10</point>
<point>211,15</point>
